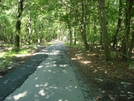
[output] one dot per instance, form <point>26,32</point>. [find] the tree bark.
<point>118,24</point>
<point>125,43</point>
<point>75,38</point>
<point>132,44</point>
<point>84,23</point>
<point>29,30</point>
<point>102,16</point>
<point>70,34</point>
<point>18,25</point>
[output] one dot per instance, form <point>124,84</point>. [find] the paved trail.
<point>53,80</point>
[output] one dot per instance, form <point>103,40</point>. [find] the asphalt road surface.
<point>52,80</point>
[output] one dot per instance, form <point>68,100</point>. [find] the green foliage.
<point>44,20</point>
<point>5,20</point>
<point>79,46</point>
<point>119,65</point>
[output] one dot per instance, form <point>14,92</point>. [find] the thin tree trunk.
<point>125,43</point>
<point>132,44</point>
<point>70,33</point>
<point>118,24</point>
<point>29,29</point>
<point>75,38</point>
<point>95,31</point>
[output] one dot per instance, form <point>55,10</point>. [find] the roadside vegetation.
<point>7,54</point>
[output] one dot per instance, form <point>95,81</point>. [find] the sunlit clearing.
<point>17,97</point>
<point>86,62</point>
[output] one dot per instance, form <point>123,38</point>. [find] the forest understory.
<point>108,81</point>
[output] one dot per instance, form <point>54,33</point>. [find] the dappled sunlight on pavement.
<point>53,80</point>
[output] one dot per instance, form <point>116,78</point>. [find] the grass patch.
<point>6,57</point>
<point>74,46</point>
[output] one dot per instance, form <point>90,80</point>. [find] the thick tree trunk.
<point>84,23</point>
<point>17,36</point>
<point>104,29</point>
<point>18,25</point>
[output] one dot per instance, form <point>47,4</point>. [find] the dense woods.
<point>83,22</point>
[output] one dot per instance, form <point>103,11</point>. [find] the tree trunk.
<point>75,38</point>
<point>132,44</point>
<point>104,29</point>
<point>29,29</point>
<point>125,43</point>
<point>18,25</point>
<point>118,24</point>
<point>84,24</point>
<point>17,36</point>
<point>70,33</point>
<point>95,31</point>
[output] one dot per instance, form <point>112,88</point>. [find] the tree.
<point>125,44</point>
<point>18,25</point>
<point>39,21</point>
<point>102,15</point>
<point>77,18</point>
<point>83,25</point>
<point>118,24</point>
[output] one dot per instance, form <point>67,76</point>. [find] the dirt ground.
<point>108,81</point>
